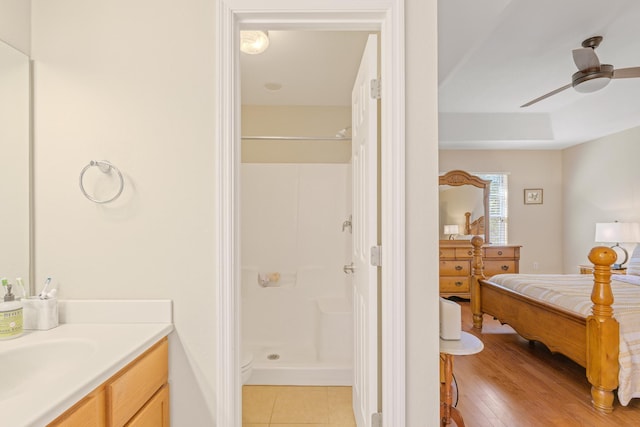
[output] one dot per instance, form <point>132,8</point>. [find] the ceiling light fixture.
<point>592,80</point>
<point>253,42</point>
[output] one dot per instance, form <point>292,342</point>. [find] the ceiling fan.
<point>591,75</point>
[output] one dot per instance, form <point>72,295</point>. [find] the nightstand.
<point>588,269</point>
<point>467,344</point>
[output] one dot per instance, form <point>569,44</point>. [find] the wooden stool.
<point>466,345</point>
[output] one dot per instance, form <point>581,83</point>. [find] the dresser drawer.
<point>454,284</point>
<point>493,267</point>
<point>448,253</point>
<point>500,252</point>
<point>464,253</point>
<point>455,268</point>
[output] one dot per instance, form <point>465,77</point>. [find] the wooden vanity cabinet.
<point>455,265</point>
<point>90,411</point>
<point>137,396</point>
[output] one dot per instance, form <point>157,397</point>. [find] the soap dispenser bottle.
<point>10,314</point>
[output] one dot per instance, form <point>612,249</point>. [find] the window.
<point>498,193</point>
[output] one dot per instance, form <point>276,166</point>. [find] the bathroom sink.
<point>26,365</point>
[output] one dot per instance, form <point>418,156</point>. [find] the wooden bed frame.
<point>592,342</point>
<point>476,227</point>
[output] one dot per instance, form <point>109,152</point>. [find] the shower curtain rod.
<point>299,138</point>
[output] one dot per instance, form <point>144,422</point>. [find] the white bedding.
<point>573,292</point>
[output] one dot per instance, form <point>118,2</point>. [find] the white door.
<point>365,225</point>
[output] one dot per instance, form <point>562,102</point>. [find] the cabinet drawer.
<point>499,252</point>
<point>492,268</point>
<point>455,268</point>
<point>454,284</point>
<point>139,382</point>
<point>89,412</point>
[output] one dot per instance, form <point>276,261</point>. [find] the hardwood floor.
<point>514,384</point>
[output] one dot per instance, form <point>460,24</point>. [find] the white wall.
<point>132,82</point>
<point>15,24</point>
<point>295,120</point>
<point>421,212</point>
<point>599,185</point>
<point>538,228</point>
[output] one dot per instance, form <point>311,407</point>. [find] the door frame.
<point>387,17</point>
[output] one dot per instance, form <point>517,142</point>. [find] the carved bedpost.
<point>477,272</point>
<point>603,338</point>
<point>467,223</point>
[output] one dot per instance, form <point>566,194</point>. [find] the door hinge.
<point>375,89</point>
<point>376,256</point>
<point>376,419</point>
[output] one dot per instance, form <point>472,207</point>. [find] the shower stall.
<point>296,297</point>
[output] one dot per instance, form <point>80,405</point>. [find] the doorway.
<point>384,17</point>
<point>316,288</point>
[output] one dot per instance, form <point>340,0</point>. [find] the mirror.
<point>464,201</point>
<point>15,171</point>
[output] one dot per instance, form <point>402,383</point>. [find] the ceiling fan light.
<point>592,85</point>
<point>588,81</point>
<point>253,42</point>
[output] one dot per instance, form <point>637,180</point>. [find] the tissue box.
<point>40,314</point>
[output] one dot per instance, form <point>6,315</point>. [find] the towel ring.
<point>104,167</point>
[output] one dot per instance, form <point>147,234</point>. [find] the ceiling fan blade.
<point>560,89</point>
<point>585,57</point>
<point>626,73</point>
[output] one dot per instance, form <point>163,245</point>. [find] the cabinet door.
<point>155,413</point>
<point>128,392</point>
<point>89,412</point>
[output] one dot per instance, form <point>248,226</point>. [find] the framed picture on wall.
<point>533,196</point>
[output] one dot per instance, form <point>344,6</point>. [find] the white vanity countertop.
<point>52,370</point>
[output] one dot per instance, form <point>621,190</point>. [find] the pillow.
<point>633,266</point>
<point>632,280</point>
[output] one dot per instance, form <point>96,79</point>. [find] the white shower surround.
<point>292,216</point>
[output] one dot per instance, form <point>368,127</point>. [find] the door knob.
<point>349,269</point>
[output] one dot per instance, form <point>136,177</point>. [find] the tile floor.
<point>296,406</point>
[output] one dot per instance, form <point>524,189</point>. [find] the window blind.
<point>498,215</point>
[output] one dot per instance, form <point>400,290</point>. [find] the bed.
<point>585,326</point>
<point>475,227</point>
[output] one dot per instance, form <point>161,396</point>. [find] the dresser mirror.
<point>15,170</point>
<point>464,202</point>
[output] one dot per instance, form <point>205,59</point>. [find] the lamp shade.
<point>617,232</point>
<point>451,229</point>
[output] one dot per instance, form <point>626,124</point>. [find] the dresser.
<point>455,265</point>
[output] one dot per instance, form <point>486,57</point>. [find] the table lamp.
<point>618,232</point>
<point>451,230</point>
